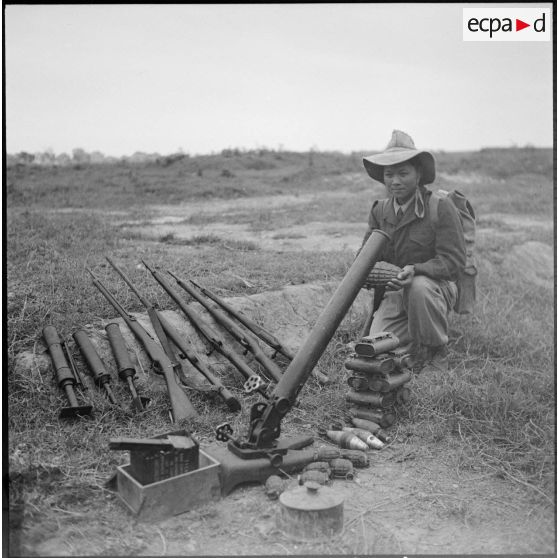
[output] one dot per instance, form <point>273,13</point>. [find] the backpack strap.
<point>433,203</point>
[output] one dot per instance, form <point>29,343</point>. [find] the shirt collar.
<point>418,199</point>
<point>397,206</point>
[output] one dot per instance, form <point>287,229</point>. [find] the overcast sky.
<point>158,78</point>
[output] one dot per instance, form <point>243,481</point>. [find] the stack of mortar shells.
<point>378,374</point>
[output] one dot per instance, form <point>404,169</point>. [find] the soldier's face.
<point>402,181</point>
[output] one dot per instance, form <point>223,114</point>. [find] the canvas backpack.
<point>466,281</point>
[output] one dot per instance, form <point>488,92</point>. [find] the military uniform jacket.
<point>437,251</point>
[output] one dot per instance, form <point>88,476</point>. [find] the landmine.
<point>379,373</point>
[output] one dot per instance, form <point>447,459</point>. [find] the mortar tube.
<point>327,323</point>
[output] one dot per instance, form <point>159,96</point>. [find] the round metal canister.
<point>310,512</point>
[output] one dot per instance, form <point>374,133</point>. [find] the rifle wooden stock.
<point>214,339</point>
<point>181,406</point>
<point>245,339</point>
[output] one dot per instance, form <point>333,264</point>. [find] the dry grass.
<point>496,405</point>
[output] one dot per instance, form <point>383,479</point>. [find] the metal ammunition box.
<point>148,466</point>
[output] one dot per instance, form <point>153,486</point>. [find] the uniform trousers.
<point>417,314</point>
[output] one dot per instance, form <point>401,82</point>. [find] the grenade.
<point>372,427</point>
<point>356,457</point>
<point>384,418</point>
<point>322,466</point>
<point>370,398</point>
<point>342,468</point>
<point>367,437</point>
<point>381,364</point>
<point>326,453</point>
<point>315,476</point>
<point>275,486</point>
<point>346,440</point>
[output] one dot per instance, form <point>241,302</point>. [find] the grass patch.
<point>495,407</point>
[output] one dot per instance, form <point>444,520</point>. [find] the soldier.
<point>416,304</point>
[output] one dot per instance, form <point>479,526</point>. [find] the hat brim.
<point>374,164</point>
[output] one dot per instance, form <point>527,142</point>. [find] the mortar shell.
<point>383,436</point>
<point>384,384</point>
<point>366,425</point>
<point>367,437</point>
<point>376,344</point>
<point>381,364</point>
<point>357,382</point>
<point>346,440</point>
<point>370,398</point>
<point>384,418</point>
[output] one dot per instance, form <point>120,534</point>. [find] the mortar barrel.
<point>63,373</point>
<point>327,323</point>
<point>72,400</point>
<point>96,365</point>
<point>121,356</point>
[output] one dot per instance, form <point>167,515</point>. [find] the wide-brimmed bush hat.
<point>400,148</point>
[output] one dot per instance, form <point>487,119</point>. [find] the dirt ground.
<point>410,500</point>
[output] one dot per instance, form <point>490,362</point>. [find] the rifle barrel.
<point>128,282</point>
<point>207,332</point>
<point>243,338</point>
<point>255,328</point>
<point>181,406</point>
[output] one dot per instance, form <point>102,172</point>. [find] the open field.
<point>472,465</point>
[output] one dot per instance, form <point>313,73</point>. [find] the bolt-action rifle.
<point>180,404</point>
<point>165,330</point>
<point>247,341</point>
<point>257,330</point>
<point>216,342</point>
<point>155,317</point>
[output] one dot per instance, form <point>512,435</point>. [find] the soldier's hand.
<point>403,279</point>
